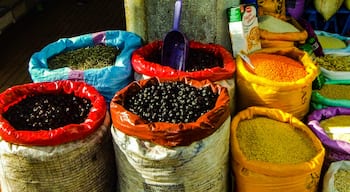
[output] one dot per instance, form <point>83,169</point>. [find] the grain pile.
<point>268,140</point>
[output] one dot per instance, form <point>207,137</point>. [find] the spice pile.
<point>337,127</point>
<point>334,62</point>
<point>335,91</point>
<point>269,140</point>
<point>97,56</point>
<point>342,180</point>
<point>277,67</point>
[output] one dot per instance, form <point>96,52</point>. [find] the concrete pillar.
<point>201,20</point>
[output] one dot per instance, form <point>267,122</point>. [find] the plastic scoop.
<point>175,44</point>
<point>247,60</point>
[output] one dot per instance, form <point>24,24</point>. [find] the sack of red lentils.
<point>332,93</point>
<point>332,126</point>
<point>55,136</point>
<point>282,79</point>
<point>337,177</point>
<point>273,151</point>
<point>178,144</point>
<point>205,61</point>
<point>100,59</point>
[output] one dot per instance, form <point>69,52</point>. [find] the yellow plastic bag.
<point>292,97</point>
<point>259,176</point>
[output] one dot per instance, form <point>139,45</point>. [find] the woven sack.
<point>106,80</point>
<point>225,76</point>
<point>336,150</point>
<point>75,157</point>
<point>292,97</point>
<point>162,156</point>
<point>260,176</point>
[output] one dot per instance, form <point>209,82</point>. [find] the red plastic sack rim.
<point>170,134</point>
<point>68,133</point>
<point>142,66</point>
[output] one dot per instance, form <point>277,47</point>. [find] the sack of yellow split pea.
<point>281,78</point>
<point>272,151</point>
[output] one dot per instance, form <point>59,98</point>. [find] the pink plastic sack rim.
<point>68,133</point>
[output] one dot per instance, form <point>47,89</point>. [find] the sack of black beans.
<point>331,93</point>
<point>101,59</point>
<point>171,135</point>
<point>204,61</point>
<point>55,136</point>
<point>332,126</point>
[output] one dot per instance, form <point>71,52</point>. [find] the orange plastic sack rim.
<point>143,66</point>
<point>68,133</point>
<point>169,134</point>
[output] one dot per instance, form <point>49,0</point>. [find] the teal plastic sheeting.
<point>107,80</point>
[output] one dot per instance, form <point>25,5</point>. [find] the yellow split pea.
<point>269,140</point>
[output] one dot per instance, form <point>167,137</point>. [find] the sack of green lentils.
<point>282,79</point>
<point>332,126</point>
<point>333,93</point>
<point>163,148</point>
<point>87,58</point>
<point>205,61</point>
<point>337,177</point>
<point>273,151</point>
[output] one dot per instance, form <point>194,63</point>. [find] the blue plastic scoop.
<point>175,44</point>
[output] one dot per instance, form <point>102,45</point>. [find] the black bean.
<point>172,102</point>
<point>47,111</point>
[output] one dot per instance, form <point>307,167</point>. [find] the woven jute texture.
<point>85,165</point>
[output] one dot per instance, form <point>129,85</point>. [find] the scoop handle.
<point>177,14</point>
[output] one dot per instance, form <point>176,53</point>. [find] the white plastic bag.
<point>143,166</point>
<point>329,178</point>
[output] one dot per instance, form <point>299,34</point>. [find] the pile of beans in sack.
<point>164,130</point>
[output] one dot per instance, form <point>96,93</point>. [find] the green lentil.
<point>337,122</point>
<point>342,180</point>
<point>334,62</point>
<point>96,56</point>
<point>269,140</point>
<point>335,91</point>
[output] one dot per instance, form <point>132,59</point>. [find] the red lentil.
<point>277,67</point>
